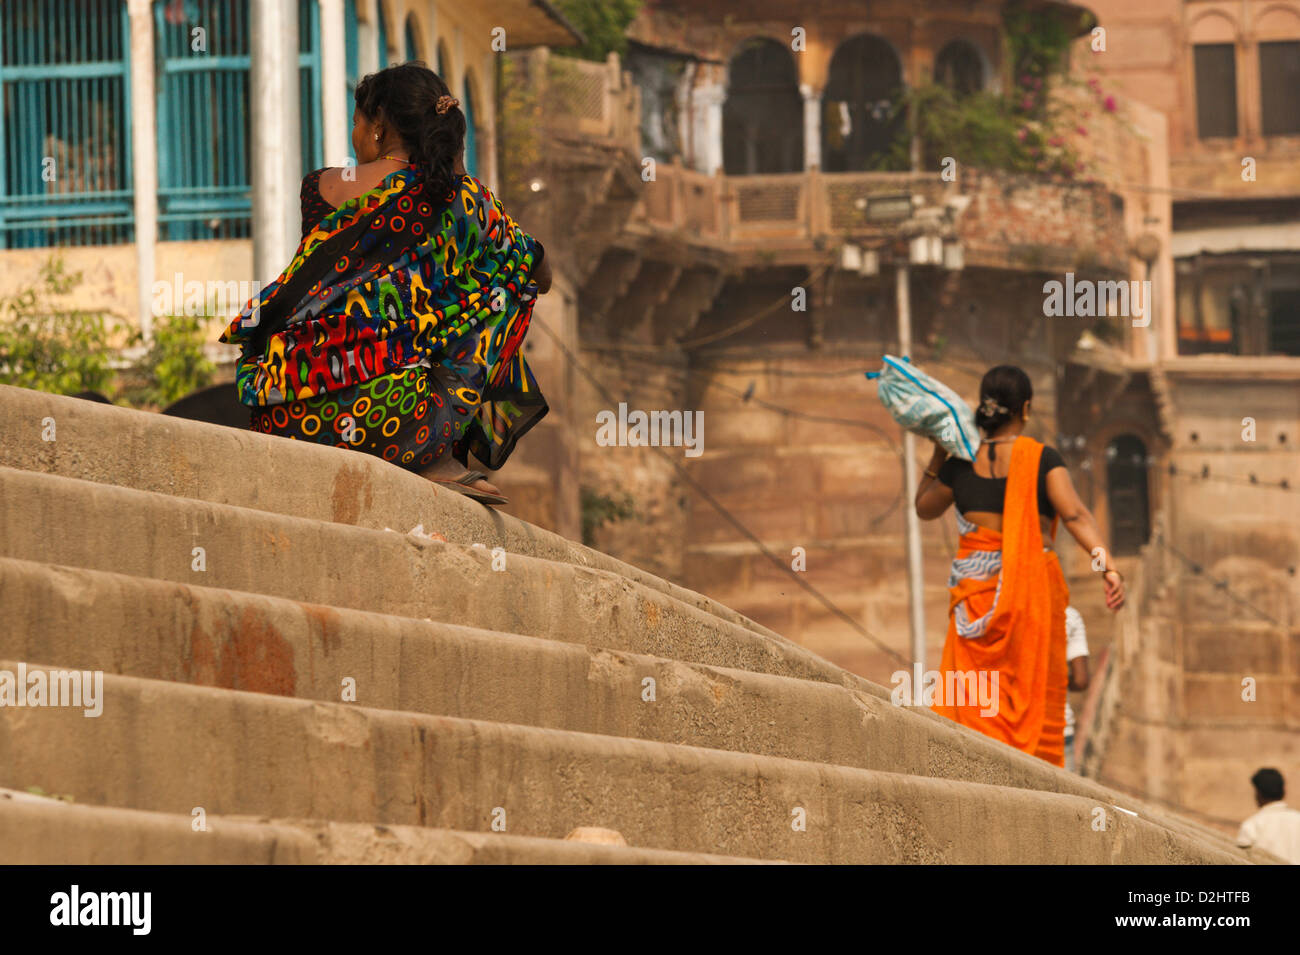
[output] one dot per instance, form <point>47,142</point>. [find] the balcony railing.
<point>1010,221</point>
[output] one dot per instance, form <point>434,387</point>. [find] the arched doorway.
<point>1126,493</point>
<point>862,91</point>
<point>762,118</point>
<point>960,67</point>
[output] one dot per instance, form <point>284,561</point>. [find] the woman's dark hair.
<point>406,98</point>
<point>1003,394</point>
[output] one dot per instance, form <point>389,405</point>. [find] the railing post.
<point>144,150</point>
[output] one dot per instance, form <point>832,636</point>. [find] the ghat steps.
<point>229,585</point>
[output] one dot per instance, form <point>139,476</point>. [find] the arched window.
<point>381,30</point>
<point>1126,493</point>
<point>352,54</point>
<point>444,64</point>
<point>762,118</point>
<point>960,67</point>
<point>65,163</point>
<point>412,39</point>
<point>471,132</point>
<point>862,92</point>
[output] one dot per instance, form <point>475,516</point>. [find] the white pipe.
<point>915,581</point>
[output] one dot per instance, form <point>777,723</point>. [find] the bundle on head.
<point>1003,393</point>
<point>405,97</point>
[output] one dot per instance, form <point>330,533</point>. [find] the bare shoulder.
<point>338,184</point>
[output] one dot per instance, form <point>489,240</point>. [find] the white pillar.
<point>144,149</point>
<point>710,96</point>
<point>812,127</point>
<point>276,158</point>
<point>335,111</point>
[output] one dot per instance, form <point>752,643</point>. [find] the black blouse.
<point>314,206</point>
<point>974,493</point>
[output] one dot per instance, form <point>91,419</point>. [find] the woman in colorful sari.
<point>1008,594</point>
<point>397,329</point>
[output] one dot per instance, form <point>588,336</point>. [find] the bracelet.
<point>930,474</point>
<point>1113,570</point>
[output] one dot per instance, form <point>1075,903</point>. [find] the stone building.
<point>767,145</point>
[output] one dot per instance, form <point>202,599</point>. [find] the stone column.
<point>335,111</point>
<point>812,127</point>
<point>274,121</point>
<point>144,148</point>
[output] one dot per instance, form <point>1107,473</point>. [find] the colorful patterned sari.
<point>1007,614</point>
<point>396,280</point>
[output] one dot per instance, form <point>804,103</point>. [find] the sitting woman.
<point>1008,594</point>
<point>397,329</point>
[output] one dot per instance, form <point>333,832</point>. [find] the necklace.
<point>398,158</point>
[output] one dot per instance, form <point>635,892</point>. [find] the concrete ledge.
<point>190,459</point>
<point>36,831</point>
<point>170,747</point>
<point>83,524</point>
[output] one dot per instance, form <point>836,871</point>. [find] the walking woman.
<point>397,329</point>
<point>1008,594</point>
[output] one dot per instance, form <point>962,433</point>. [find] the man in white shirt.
<point>1276,827</point>
<point>1076,655</point>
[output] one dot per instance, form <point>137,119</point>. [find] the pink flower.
<point>1081,131</point>
<point>1022,134</point>
<point>1094,83</point>
<point>1056,141</point>
<point>1110,104</point>
<point>1027,103</point>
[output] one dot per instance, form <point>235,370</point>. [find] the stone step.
<point>189,459</point>
<point>169,747</point>
<point>98,526</point>
<point>214,637</point>
<point>42,831</point>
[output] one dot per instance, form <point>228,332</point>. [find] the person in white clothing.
<point>1076,655</point>
<point>1276,827</point>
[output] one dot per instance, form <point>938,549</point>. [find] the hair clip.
<point>445,103</point>
<point>990,407</point>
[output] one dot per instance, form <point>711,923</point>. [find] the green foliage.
<point>48,347</point>
<point>984,130</point>
<point>603,23</point>
<point>601,509</point>
<point>175,364</point>
<point>1039,39</point>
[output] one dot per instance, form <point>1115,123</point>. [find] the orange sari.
<point>1007,617</point>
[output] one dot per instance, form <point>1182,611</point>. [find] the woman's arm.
<point>933,497</point>
<point>1082,526</point>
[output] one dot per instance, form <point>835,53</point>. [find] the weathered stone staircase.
<point>233,586</point>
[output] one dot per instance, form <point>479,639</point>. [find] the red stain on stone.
<point>257,658</point>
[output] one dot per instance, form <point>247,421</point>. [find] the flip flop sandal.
<point>464,485</point>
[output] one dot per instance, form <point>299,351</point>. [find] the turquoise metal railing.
<point>204,139</point>
<point>65,160</point>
